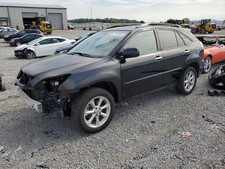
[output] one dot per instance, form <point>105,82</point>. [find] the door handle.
<point>186,52</point>
<point>158,57</point>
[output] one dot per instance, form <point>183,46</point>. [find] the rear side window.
<point>144,41</point>
<point>167,39</point>
<point>46,41</point>
<point>187,41</point>
<point>55,40</point>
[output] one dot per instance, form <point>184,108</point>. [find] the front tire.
<point>187,82</point>
<point>93,110</point>
<point>207,64</point>
<point>30,55</point>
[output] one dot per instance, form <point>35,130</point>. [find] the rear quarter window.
<point>186,40</point>
<point>167,39</point>
<point>61,40</point>
<point>179,40</point>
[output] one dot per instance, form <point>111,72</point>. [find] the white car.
<point>41,47</point>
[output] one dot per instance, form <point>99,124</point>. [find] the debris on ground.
<point>1,148</point>
<point>217,78</point>
<point>186,134</point>
<point>2,86</point>
<point>216,93</point>
<point>42,166</point>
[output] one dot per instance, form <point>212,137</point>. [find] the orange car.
<point>214,50</point>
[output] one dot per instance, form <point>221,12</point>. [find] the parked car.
<point>7,31</point>
<point>214,50</point>
<point>24,39</point>
<point>41,47</point>
<point>108,67</point>
<point>68,47</point>
<point>7,38</point>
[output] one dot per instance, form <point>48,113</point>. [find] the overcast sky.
<point>147,10</point>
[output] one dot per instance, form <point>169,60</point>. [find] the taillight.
<point>72,42</point>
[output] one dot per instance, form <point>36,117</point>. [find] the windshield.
<point>99,44</point>
<point>34,41</point>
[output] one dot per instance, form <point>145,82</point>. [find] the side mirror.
<point>130,53</point>
<point>37,44</point>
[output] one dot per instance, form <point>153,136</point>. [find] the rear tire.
<point>93,110</point>
<point>30,55</point>
<point>187,82</point>
<point>207,64</point>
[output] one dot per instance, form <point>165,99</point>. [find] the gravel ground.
<point>146,131</point>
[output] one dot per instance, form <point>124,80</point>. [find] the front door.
<point>44,48</point>
<point>144,72</point>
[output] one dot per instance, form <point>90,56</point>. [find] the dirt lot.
<point>146,131</point>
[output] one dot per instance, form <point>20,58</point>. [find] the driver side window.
<point>144,41</point>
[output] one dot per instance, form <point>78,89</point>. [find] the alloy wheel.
<point>189,81</point>
<point>207,65</point>
<point>97,112</point>
<point>30,55</point>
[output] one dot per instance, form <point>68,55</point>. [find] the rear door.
<point>175,53</point>
<point>144,72</point>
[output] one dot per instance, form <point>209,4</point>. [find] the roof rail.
<point>160,24</point>
<point>123,25</point>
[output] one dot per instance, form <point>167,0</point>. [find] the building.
<point>91,26</point>
<point>18,15</point>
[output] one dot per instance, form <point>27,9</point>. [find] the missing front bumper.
<point>37,106</point>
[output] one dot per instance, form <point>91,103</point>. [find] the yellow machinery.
<point>41,23</point>
<point>182,23</point>
<point>204,27</point>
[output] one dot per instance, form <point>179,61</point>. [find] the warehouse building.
<point>20,15</point>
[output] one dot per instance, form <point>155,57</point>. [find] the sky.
<point>146,10</point>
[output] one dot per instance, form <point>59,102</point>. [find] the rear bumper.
<point>37,106</point>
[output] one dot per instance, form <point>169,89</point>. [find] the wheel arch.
<point>196,66</point>
<point>110,87</point>
<point>211,56</point>
<point>29,49</point>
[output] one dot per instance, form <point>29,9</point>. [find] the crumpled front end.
<point>44,96</point>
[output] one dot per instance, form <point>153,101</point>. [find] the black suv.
<point>7,38</point>
<point>109,66</point>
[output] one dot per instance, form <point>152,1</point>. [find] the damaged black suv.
<point>109,66</point>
